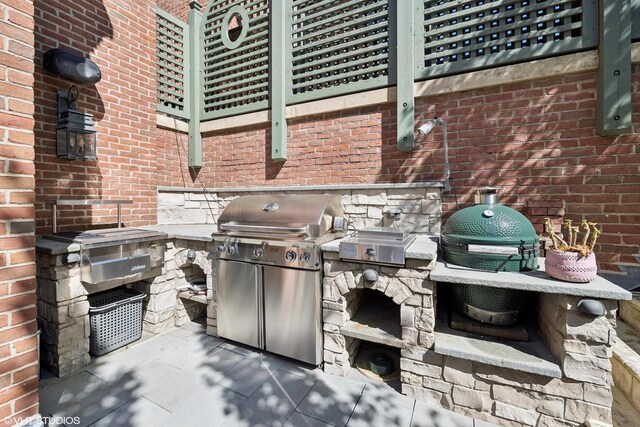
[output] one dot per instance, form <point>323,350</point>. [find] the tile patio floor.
<point>186,378</point>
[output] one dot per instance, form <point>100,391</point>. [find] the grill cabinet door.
<point>292,313</point>
<point>239,305</point>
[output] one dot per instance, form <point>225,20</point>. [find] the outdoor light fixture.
<point>75,135</point>
<point>71,67</point>
<point>427,127</point>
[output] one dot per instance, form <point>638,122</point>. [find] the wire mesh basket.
<point>115,318</point>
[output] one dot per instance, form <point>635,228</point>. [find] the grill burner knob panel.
<point>258,252</point>
<point>304,256</point>
<point>290,255</point>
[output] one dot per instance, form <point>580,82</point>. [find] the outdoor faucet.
<point>428,127</point>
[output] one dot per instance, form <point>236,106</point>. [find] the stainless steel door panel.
<point>239,308</point>
<point>292,313</point>
<point>115,268</point>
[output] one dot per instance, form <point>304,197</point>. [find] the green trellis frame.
<point>295,51</point>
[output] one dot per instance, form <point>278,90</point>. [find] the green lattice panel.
<point>172,58</point>
<point>635,20</point>
<point>236,57</point>
<point>338,47</point>
<point>462,36</point>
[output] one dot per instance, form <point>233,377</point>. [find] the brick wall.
<point>18,342</point>
<point>535,140</point>
<point>179,8</point>
<point>120,38</point>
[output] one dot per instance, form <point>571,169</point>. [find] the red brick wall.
<point>120,38</point>
<point>535,140</point>
<point>18,342</point>
<point>179,8</point>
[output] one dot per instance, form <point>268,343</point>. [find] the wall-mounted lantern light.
<point>76,136</point>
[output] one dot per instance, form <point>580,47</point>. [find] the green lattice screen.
<point>338,47</point>
<point>635,20</point>
<point>236,57</point>
<point>462,36</point>
<point>172,62</point>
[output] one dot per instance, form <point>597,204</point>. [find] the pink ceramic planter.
<point>571,266</point>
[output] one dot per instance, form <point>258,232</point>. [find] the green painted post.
<point>280,58</point>
<point>614,69</point>
<point>195,85</point>
<point>635,20</point>
<point>405,29</point>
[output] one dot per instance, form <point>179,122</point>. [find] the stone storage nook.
<point>179,306</point>
<point>345,320</point>
<point>518,384</point>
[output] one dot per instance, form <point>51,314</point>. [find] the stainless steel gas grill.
<point>116,256</point>
<point>269,278</point>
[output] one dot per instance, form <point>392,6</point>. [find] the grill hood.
<point>303,216</point>
<point>490,237</point>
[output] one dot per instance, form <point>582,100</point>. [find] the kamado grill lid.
<point>490,237</point>
<point>490,224</point>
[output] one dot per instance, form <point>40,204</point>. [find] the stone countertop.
<point>199,232</point>
<point>424,247</point>
<point>536,281</point>
<point>55,247</point>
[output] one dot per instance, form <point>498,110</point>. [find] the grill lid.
<point>377,245</point>
<point>108,237</point>
<point>301,215</point>
<point>493,224</point>
<point>490,237</point>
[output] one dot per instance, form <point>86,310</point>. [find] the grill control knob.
<point>258,252</point>
<point>232,250</point>
<point>290,255</point>
<point>304,256</point>
<point>371,251</point>
<point>222,247</point>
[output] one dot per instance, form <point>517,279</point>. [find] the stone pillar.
<point>583,347</point>
<point>160,303</point>
<point>186,270</point>
<point>63,315</point>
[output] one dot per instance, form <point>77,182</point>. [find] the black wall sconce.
<point>76,137</point>
<point>71,67</point>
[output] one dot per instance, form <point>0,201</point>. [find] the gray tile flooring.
<point>186,378</point>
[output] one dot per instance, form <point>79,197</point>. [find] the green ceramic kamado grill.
<point>493,237</point>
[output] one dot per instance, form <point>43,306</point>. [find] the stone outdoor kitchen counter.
<point>536,281</point>
<point>560,377</point>
<point>193,232</point>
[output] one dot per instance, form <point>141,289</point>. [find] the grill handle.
<point>262,229</point>
<point>85,202</point>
